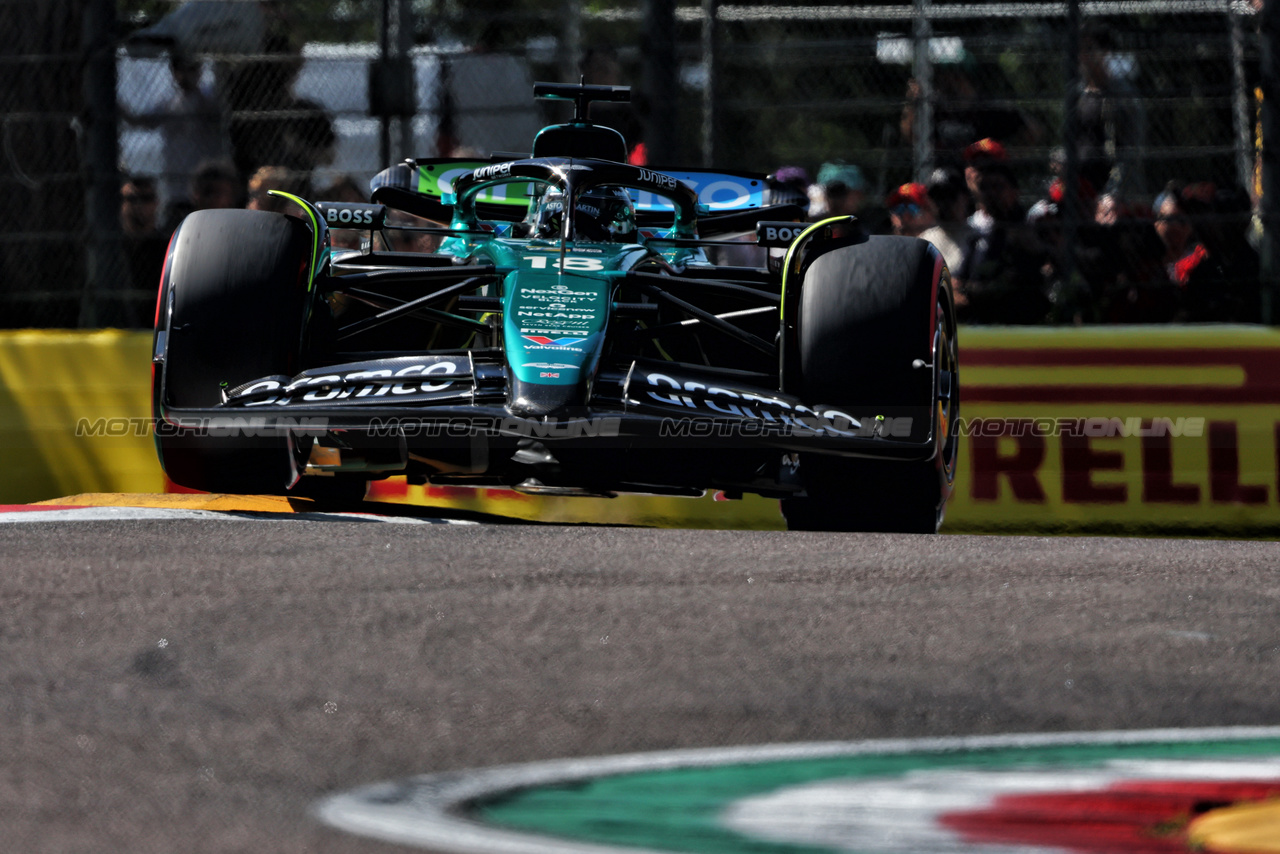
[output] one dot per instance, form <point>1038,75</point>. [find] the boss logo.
<point>353,216</point>
<point>348,217</point>
<point>778,234</point>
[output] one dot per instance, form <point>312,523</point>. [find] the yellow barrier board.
<point>751,512</point>
<point>53,382</point>
<point>1128,429</point>
<point>1161,428</point>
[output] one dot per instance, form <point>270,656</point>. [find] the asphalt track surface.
<point>197,685</point>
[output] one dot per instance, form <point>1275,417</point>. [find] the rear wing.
<point>718,191</point>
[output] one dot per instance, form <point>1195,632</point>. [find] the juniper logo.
<point>498,170</point>
<point>649,176</point>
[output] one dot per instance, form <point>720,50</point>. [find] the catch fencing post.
<point>710,49</point>
<point>1240,100</point>
<point>660,75</point>
<point>1268,205</point>
<point>392,91</point>
<point>1071,213</point>
<point>922,71</point>
<point>106,299</point>
<point>571,43</point>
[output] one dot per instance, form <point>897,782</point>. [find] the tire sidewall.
<point>234,305</point>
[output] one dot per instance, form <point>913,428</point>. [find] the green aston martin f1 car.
<point>563,323</point>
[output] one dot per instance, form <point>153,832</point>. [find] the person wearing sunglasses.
<point>911,211</point>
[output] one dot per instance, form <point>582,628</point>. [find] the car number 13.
<point>541,262</point>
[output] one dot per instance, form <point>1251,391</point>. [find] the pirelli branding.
<point>1126,429</point>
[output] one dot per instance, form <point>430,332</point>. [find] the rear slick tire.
<point>877,332</point>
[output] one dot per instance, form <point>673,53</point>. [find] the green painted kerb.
<point>679,810</point>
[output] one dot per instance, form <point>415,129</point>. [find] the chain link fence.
<point>42,196</point>
<point>215,102</point>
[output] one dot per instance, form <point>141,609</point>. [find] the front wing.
<point>646,403</point>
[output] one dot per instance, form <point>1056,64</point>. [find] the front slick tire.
<point>870,316</point>
<point>233,304</point>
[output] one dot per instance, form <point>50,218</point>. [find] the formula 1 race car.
<point>558,324</point>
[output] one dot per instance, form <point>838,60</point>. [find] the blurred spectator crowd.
<point>1020,255</point>
<point>1017,254</point>
<point>1186,257</point>
<point>228,154</point>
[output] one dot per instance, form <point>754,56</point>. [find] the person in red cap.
<point>910,209</point>
<point>988,148</point>
<point>978,154</point>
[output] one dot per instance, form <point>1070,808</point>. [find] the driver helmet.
<point>602,215</point>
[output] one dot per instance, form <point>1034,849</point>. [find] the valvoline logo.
<point>553,342</point>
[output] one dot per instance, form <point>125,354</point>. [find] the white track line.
<point>111,514</point>
<point>422,811</point>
